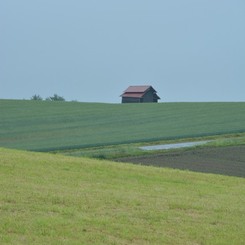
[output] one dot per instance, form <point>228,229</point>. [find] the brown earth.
<point>218,160</point>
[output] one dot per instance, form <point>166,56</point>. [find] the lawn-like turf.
<point>45,126</point>
<point>53,199</point>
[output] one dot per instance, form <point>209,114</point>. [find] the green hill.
<point>44,126</point>
<point>52,199</point>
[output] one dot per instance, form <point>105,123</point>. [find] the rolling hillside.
<point>45,126</point>
<point>53,199</point>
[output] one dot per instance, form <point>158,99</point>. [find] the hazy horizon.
<point>91,51</point>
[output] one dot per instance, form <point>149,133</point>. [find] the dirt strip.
<point>218,160</point>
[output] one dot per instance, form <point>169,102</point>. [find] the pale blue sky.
<point>189,50</point>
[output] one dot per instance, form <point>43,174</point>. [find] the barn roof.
<point>137,91</point>
<point>133,95</point>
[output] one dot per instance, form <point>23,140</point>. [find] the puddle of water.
<point>173,146</point>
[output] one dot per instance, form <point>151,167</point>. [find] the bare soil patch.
<point>218,160</point>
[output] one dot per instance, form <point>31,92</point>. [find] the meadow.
<point>54,199</point>
<point>113,152</point>
<point>49,126</point>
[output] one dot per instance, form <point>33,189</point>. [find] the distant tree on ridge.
<point>36,97</point>
<point>55,97</point>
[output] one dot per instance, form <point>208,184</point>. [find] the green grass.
<point>233,140</point>
<point>126,150</point>
<point>53,199</point>
<point>46,126</point>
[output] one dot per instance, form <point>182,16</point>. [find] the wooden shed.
<point>140,94</point>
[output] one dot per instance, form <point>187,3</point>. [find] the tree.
<point>36,97</point>
<point>56,97</point>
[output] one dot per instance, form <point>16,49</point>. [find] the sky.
<point>91,51</point>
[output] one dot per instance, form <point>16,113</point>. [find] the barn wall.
<point>155,98</point>
<point>148,97</point>
<point>130,100</point>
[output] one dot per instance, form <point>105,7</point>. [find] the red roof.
<point>137,89</point>
<point>133,95</point>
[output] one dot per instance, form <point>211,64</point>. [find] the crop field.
<point>47,126</point>
<point>55,199</point>
<point>229,160</point>
<point>58,199</point>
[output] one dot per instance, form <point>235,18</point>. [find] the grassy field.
<point>53,199</point>
<point>46,126</point>
<point>133,149</point>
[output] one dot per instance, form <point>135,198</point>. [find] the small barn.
<point>140,94</point>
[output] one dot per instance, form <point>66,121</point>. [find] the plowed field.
<point>218,160</point>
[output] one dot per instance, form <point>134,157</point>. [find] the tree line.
<point>55,97</point>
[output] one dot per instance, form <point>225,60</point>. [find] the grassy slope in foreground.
<point>52,199</point>
<point>42,125</point>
